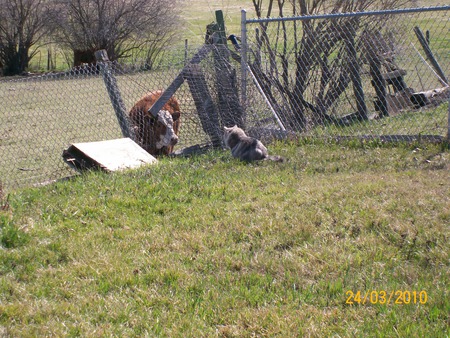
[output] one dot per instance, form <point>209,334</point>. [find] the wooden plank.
<point>379,84</point>
<point>356,77</point>
<point>430,55</point>
<point>114,94</point>
<point>230,109</point>
<point>111,155</point>
<point>204,103</point>
<point>421,99</point>
<point>178,81</point>
<point>394,74</point>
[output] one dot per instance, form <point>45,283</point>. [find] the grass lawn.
<point>209,246</point>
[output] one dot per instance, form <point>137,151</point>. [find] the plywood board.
<point>111,155</point>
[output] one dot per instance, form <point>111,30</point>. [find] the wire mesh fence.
<point>319,76</point>
<point>348,74</point>
<point>42,115</point>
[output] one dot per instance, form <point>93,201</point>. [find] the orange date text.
<point>397,297</point>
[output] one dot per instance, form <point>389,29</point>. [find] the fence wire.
<point>355,74</point>
<point>310,78</point>
<point>42,115</point>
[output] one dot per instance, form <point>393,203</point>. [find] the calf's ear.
<point>176,115</point>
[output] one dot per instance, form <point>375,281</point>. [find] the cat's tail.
<point>275,158</point>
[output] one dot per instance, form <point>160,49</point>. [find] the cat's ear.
<point>226,129</point>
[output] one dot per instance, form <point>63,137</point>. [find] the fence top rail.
<point>351,14</point>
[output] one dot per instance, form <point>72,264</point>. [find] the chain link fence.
<point>327,76</point>
<point>372,74</point>
<point>42,115</point>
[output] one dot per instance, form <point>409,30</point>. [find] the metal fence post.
<point>243,58</point>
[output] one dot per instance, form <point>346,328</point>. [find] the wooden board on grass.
<point>111,155</point>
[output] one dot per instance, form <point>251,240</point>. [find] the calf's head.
<point>164,128</point>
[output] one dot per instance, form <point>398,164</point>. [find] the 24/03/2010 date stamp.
<point>397,297</point>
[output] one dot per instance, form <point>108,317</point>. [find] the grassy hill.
<point>340,239</point>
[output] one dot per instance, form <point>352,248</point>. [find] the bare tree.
<point>21,27</point>
<point>118,26</point>
<point>325,55</point>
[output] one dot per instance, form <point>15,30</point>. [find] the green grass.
<point>415,122</point>
<point>209,246</point>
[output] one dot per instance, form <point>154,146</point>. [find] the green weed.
<point>10,235</point>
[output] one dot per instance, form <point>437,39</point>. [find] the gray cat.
<point>246,148</point>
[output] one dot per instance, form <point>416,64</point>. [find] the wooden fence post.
<point>178,81</point>
<point>114,94</point>
<point>230,109</point>
<point>379,84</point>
<point>430,56</point>
<point>356,76</point>
<point>204,103</point>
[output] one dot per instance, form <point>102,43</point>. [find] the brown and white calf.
<point>156,134</point>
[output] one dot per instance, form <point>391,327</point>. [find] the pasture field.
<point>340,240</point>
<point>41,118</point>
<point>195,15</point>
<point>198,13</point>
